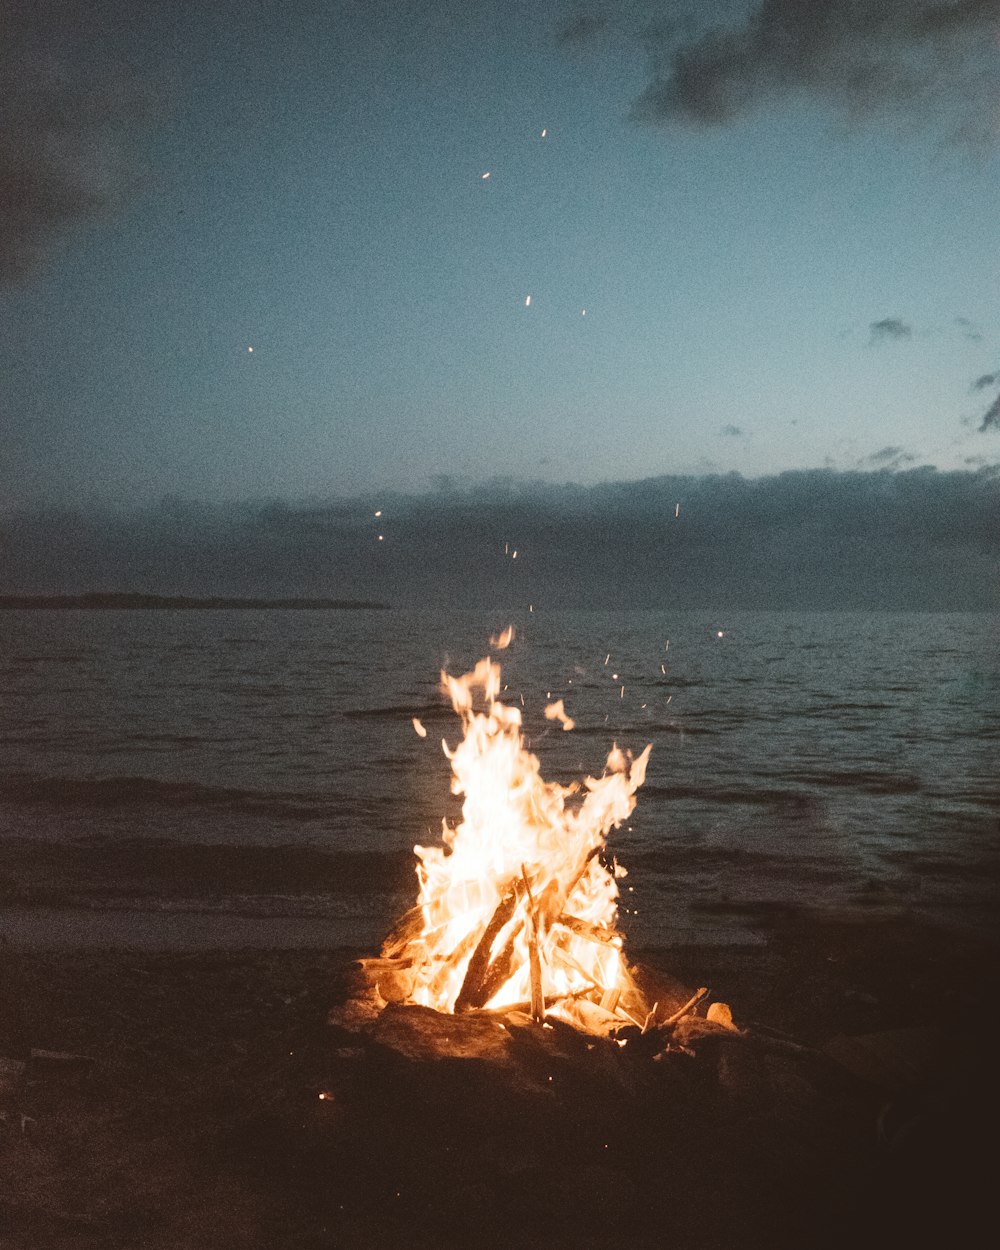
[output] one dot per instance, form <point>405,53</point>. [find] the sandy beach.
<point>211,1104</point>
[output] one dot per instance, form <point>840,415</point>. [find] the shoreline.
<point>201,1099</point>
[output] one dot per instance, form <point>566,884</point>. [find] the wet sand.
<point>196,1118</point>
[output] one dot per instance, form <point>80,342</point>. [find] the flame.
<point>518,905</point>
<point>556,711</point>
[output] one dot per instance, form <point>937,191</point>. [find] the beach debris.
<point>59,1061</point>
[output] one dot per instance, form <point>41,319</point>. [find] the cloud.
<point>985,380</point>
<point>991,418</point>
<point>66,124</point>
<point>917,538</point>
<point>888,458</point>
<point>732,431</point>
<point>889,328</point>
<point>970,330</point>
<point>860,58</point>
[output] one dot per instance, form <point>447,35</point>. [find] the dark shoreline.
<point>202,1099</point>
<point>134,602</point>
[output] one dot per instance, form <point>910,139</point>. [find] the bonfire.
<point>518,907</point>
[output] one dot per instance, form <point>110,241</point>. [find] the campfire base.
<point>558,1137</point>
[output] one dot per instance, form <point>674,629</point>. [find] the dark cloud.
<point>732,431</point>
<point>888,458</point>
<point>890,328</point>
<point>985,380</point>
<point>991,418</point>
<point>66,124</point>
<point>809,539</point>
<point>931,58</point>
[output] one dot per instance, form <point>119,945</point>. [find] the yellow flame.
<point>556,711</point>
<point>501,641</point>
<point>518,906</point>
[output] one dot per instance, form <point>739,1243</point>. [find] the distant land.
<point>95,600</point>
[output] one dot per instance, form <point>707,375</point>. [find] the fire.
<point>519,906</point>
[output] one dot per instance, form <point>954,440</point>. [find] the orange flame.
<point>518,906</point>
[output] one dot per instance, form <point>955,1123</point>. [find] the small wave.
<point>867,782</point>
<point>424,711</point>
<point>763,796</point>
<point>111,792</point>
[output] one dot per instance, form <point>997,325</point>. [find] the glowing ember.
<point>519,906</point>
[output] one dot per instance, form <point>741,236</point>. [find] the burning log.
<point>534,959</point>
<point>479,964</point>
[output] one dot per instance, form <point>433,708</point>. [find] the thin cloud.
<point>932,59</point>
<point>888,458</point>
<point>889,329</point>
<point>991,418</point>
<point>985,380</point>
<point>732,431</point>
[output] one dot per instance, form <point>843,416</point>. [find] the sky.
<point>378,249</point>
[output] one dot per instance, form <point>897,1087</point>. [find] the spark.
<point>527,301</point>
<point>418,726</point>
<point>583,312</point>
<point>719,633</point>
<point>250,350</point>
<point>513,555</point>
<point>663,669</point>
<point>614,676</point>
<point>544,132</point>
<point>379,513</point>
<point>621,693</point>
<point>677,510</point>
<point>606,658</point>
<point>381,538</point>
<point>486,175</point>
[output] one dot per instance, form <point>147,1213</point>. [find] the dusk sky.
<point>780,218</point>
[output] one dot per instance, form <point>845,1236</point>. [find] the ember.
<point>519,907</point>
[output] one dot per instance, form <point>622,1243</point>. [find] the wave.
<point>763,796</point>
<point>132,791</point>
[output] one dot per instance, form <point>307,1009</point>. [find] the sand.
<point>196,1118</point>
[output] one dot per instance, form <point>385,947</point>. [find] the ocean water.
<point>175,769</point>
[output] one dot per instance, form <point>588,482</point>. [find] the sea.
<point>211,778</point>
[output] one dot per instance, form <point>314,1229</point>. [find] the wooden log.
<point>534,958</point>
<point>479,964</point>
<point>692,1002</point>
<point>501,969</point>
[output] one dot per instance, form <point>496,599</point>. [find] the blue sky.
<point>803,275</point>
